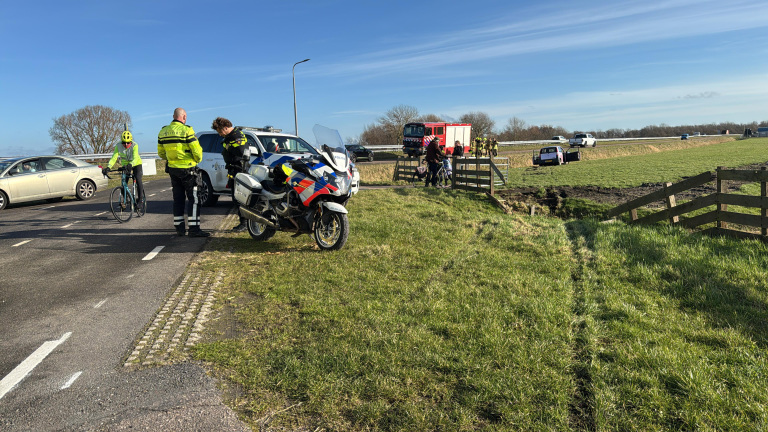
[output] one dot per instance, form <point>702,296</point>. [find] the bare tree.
<point>427,118</point>
<point>514,129</point>
<point>91,129</point>
<point>482,125</point>
<point>394,120</point>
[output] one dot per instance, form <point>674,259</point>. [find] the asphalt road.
<point>76,288</point>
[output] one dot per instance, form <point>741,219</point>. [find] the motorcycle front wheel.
<point>331,231</point>
<point>260,232</point>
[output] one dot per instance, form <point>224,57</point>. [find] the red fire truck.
<point>416,136</point>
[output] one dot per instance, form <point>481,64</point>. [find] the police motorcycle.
<point>303,196</point>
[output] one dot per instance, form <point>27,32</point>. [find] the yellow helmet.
<point>126,137</point>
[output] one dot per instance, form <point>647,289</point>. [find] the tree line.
<point>388,129</point>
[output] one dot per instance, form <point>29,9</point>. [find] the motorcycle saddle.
<point>270,186</point>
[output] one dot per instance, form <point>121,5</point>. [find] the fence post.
<point>671,202</point>
<point>721,188</point>
<point>490,173</point>
<point>395,175</point>
<point>764,208</point>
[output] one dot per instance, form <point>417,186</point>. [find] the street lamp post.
<point>295,118</point>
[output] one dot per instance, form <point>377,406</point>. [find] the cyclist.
<point>128,153</point>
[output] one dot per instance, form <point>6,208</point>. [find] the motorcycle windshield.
<point>332,139</point>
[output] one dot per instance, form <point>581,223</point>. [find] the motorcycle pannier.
<point>246,189</point>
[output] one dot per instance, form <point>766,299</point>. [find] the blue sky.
<point>582,65</point>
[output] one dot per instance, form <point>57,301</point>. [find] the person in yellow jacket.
<point>494,147</point>
<point>128,154</point>
<point>177,144</point>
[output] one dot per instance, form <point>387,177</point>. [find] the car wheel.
<point>370,157</point>
<point>3,200</point>
<point>205,193</point>
<point>84,190</point>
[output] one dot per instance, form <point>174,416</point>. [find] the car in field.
<point>559,138</point>
<point>50,178</point>
<point>268,146</point>
<point>555,155</point>
<point>356,151</point>
<point>684,136</point>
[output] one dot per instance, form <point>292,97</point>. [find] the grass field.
<point>444,313</point>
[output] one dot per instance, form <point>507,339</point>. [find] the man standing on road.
<point>434,158</point>
<point>236,157</point>
<point>177,144</point>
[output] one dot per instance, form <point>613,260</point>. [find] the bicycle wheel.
<point>120,205</point>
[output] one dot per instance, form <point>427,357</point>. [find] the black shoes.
<point>199,233</point>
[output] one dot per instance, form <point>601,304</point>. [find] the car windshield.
<point>285,144</point>
<point>5,164</point>
<point>413,130</point>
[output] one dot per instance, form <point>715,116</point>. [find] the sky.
<point>582,65</point>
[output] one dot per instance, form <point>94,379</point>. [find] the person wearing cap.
<point>128,154</point>
<point>434,157</point>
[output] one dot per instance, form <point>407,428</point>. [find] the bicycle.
<point>122,200</point>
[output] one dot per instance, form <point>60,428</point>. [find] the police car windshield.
<point>285,144</point>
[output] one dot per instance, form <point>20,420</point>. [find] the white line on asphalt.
<point>99,214</point>
<point>131,275</point>
<point>46,208</point>
<point>153,195</point>
<point>71,380</point>
<point>153,254</point>
<point>22,243</point>
<point>69,225</point>
<point>100,304</point>
<point>25,367</point>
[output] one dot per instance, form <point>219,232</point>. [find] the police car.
<point>268,146</point>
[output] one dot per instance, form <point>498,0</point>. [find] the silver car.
<point>47,177</point>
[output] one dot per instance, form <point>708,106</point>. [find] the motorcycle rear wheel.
<point>259,232</point>
<point>332,233</point>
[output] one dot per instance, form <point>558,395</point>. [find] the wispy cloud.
<point>740,99</point>
<point>597,27</point>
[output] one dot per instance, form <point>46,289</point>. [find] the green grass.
<point>442,313</point>
<point>421,322</point>
<point>678,329</point>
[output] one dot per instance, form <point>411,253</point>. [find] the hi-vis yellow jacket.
<point>127,156</point>
<point>177,144</point>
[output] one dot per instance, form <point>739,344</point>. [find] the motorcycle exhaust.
<point>248,214</point>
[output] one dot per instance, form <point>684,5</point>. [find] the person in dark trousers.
<point>236,158</point>
<point>177,144</point>
<point>434,158</point>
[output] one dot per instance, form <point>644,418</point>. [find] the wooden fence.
<point>720,199</point>
<point>472,174</point>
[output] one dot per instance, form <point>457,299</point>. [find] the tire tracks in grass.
<point>582,406</point>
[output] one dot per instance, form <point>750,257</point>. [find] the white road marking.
<point>71,380</point>
<point>25,367</point>
<point>46,208</point>
<point>153,195</point>
<point>99,214</point>
<point>22,243</point>
<point>69,225</point>
<point>153,254</point>
<point>100,304</point>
